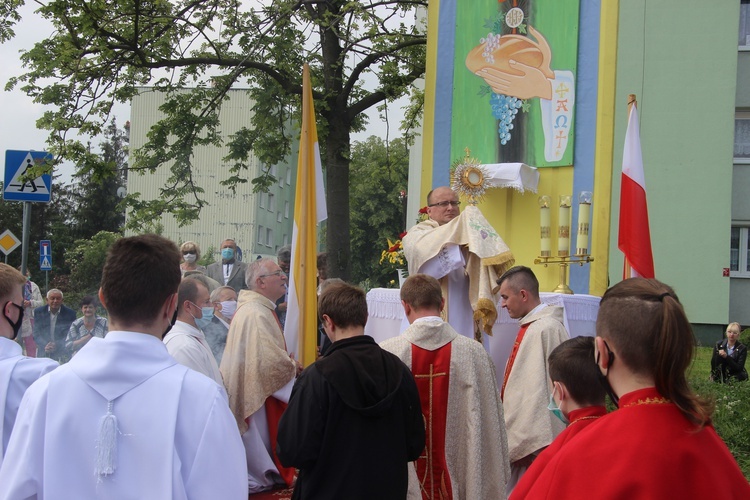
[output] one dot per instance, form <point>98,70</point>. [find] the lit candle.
<point>546,232</point>
<point>584,215</point>
<point>563,231</point>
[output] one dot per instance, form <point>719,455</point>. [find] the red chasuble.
<point>646,449</point>
<point>512,357</point>
<point>579,420</point>
<point>431,371</point>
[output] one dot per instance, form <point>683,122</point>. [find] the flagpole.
<point>626,268</point>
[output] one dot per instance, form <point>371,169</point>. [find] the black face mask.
<point>603,377</point>
<point>15,325</point>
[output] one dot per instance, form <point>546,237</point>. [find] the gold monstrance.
<point>469,178</point>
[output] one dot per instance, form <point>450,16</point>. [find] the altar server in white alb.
<point>123,419</point>
<point>466,453</point>
<point>17,372</point>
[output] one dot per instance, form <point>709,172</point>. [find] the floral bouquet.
<point>395,252</point>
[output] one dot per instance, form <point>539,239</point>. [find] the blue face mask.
<point>556,411</point>
<point>207,314</point>
<point>227,253</point>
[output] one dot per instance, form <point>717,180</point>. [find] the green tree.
<point>361,54</point>
<point>379,172</point>
<point>97,184</point>
<point>49,221</point>
<point>86,260</point>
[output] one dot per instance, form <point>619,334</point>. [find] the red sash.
<point>512,358</point>
<point>431,371</point>
<point>274,409</point>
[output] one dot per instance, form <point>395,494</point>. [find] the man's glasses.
<point>444,204</point>
<point>277,273</point>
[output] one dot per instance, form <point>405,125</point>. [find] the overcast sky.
<point>19,114</point>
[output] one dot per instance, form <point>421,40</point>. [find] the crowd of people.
<point>190,391</point>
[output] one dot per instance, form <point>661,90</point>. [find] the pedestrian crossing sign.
<point>16,165</point>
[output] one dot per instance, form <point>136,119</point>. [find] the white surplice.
<point>17,373</point>
<point>188,345</point>
<point>175,438</point>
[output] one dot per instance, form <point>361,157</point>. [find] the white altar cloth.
<point>385,315</point>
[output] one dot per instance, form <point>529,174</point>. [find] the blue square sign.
<point>16,165</point>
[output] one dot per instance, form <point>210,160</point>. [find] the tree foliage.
<point>379,173</point>
<point>361,53</point>
<point>86,260</point>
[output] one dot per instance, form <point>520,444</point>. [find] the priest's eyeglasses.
<point>277,273</point>
<point>444,204</point>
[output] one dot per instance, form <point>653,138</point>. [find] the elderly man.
<point>224,300</point>
<point>51,326</point>
<point>466,255</point>
<point>123,418</point>
<point>259,373</point>
<point>17,372</point>
<point>526,384</point>
<point>229,271</point>
<point>457,383</point>
<point>185,340</point>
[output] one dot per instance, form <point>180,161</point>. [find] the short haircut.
<point>572,363</point>
<point>55,290</point>
<point>139,275</point>
<point>421,291</point>
<point>330,281</point>
<point>10,279</point>
<point>255,269</point>
<point>284,254</point>
<point>199,276</point>
<point>88,300</point>
<point>219,292</point>
<point>520,278</point>
<point>189,246</point>
<point>188,290</point>
<point>322,260</point>
<point>345,304</point>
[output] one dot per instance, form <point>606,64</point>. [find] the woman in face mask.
<point>660,442</point>
<point>191,253</point>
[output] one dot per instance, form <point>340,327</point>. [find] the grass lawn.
<point>732,415</point>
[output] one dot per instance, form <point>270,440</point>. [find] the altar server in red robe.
<point>577,400</point>
<point>660,442</point>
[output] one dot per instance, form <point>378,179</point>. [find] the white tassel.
<point>107,444</point>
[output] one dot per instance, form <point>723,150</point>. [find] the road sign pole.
<point>25,236</point>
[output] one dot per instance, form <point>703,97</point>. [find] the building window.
<point>261,235</point>
<point>744,38</point>
<point>742,136</point>
<point>262,200</point>
<point>271,204</point>
<point>269,237</point>
<point>285,240</point>
<point>288,176</point>
<point>286,209</point>
<point>739,257</point>
<point>278,217</point>
<point>281,181</point>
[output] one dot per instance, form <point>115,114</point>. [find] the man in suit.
<point>51,326</point>
<point>229,271</point>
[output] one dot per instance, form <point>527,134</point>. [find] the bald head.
<point>442,205</point>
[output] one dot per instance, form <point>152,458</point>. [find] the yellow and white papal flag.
<point>301,327</point>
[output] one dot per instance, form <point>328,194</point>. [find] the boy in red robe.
<point>577,399</point>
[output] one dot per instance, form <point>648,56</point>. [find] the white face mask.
<point>228,308</point>
<point>189,257</point>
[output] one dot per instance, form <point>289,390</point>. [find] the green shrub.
<point>745,336</point>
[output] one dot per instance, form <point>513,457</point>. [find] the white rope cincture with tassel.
<point>106,444</point>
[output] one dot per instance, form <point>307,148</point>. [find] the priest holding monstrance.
<point>462,250</point>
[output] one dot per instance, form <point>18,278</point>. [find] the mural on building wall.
<point>515,64</point>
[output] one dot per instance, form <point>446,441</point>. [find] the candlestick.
<point>546,231</point>
<point>563,228</point>
<point>584,215</point>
